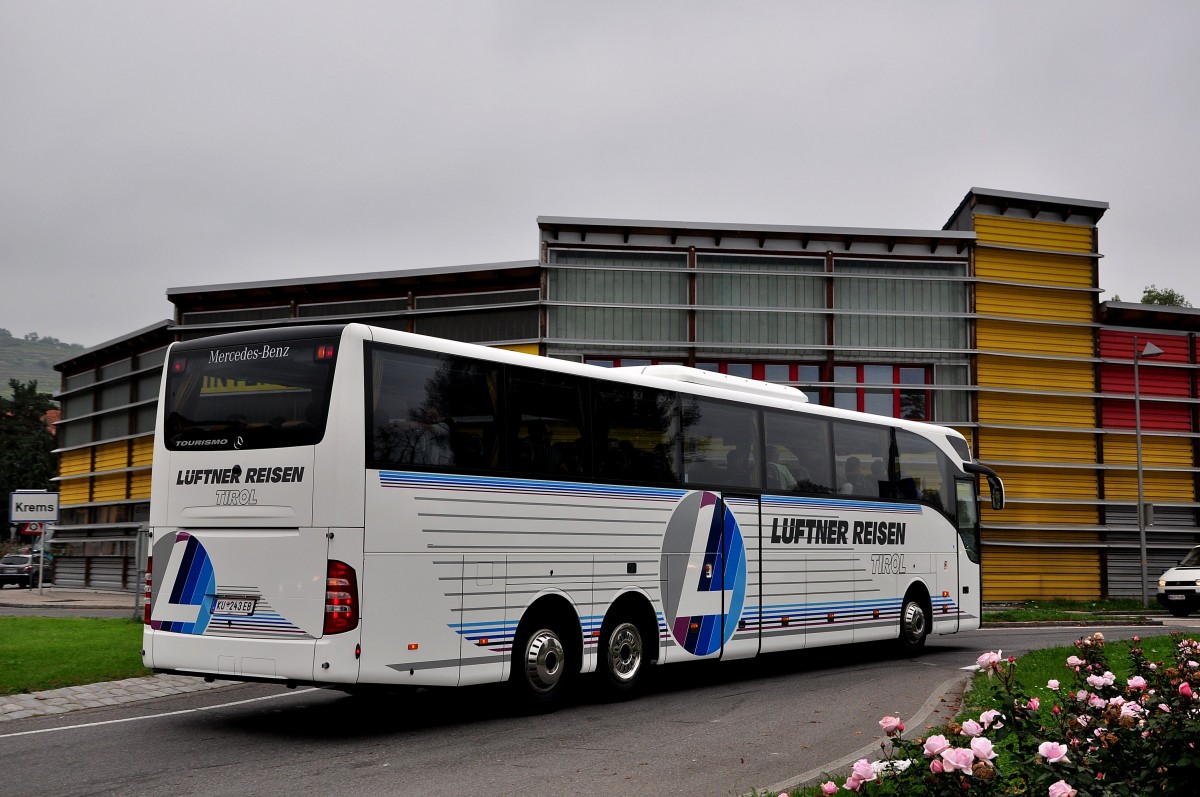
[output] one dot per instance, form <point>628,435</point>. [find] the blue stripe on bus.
<point>445,481</point>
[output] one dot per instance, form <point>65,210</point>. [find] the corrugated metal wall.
<point>1035,296</point>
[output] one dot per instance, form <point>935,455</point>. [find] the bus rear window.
<point>269,394</point>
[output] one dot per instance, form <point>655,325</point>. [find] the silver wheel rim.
<point>544,660</point>
<point>625,652</point>
<point>914,621</point>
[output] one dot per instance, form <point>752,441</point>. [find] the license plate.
<point>234,606</point>
<point>1176,597</point>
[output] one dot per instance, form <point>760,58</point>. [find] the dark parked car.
<point>22,569</point>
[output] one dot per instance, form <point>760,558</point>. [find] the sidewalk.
<point>52,597</point>
<point>81,602</point>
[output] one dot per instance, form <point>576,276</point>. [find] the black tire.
<point>542,669</point>
<point>624,656</point>
<point>914,625</point>
<point>1179,611</point>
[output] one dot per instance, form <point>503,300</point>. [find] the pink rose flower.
<point>971,728</point>
<point>934,746</point>
<point>1052,684</point>
<point>935,766</point>
<point>1185,689</point>
<point>863,770</point>
<point>1053,752</point>
<point>1062,789</point>
<point>1137,682</point>
<point>1034,704</point>
<point>1074,661</point>
<point>852,783</point>
<point>829,787</point>
<point>891,725</point>
<point>988,717</point>
<point>982,748</point>
<point>958,758</point>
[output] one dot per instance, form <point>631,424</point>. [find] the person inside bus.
<point>544,457</point>
<point>854,482</point>
<point>778,474</point>
<point>433,442</point>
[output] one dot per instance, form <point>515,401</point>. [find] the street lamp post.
<point>1150,351</point>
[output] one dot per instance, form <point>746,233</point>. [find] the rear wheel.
<point>541,669</point>
<point>623,655</point>
<point>914,625</point>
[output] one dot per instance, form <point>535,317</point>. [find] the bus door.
<point>704,575</point>
<point>945,599</point>
<point>741,549</point>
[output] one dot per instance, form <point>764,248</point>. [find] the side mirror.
<point>996,487</point>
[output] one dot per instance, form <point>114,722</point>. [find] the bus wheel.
<point>540,668</point>
<point>623,656</point>
<point>914,625</point>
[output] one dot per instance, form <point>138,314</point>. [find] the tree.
<point>27,461</point>
<point>1164,297</point>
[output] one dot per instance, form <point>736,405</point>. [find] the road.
<point>699,730</point>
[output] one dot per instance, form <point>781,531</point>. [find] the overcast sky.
<point>149,145</point>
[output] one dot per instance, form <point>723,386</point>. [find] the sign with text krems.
<point>33,506</point>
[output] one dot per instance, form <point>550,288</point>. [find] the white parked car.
<point>1179,587</point>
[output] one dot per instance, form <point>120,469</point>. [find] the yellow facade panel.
<point>143,451</point>
<point>1159,451</point>
<point>1029,410</point>
<point>524,348</point>
<point>1030,234</point>
<point>74,491</point>
<point>110,488</point>
<point>1043,304</point>
<point>1076,515</point>
<point>1036,268</point>
<point>139,484</point>
<point>1010,372</point>
<point>73,462</point>
<point>1014,574</point>
<point>1036,446</point>
<point>1157,486</point>
<point>112,456</point>
<point>1045,483</point>
<point>997,335</point>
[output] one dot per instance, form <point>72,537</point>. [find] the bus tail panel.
<point>247,603</point>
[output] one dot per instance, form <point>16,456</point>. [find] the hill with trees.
<point>30,358</point>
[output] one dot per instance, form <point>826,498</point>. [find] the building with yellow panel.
<point>991,324</point>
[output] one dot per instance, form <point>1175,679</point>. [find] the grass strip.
<point>38,653</point>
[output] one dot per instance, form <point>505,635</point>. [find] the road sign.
<point>33,528</point>
<point>33,506</point>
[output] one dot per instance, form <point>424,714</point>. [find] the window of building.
<point>891,390</point>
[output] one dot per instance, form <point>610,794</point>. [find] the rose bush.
<point>1093,736</point>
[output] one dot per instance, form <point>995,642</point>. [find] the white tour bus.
<point>348,505</point>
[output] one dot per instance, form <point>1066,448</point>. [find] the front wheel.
<point>1179,611</point>
<point>623,656</point>
<point>914,626</point>
<point>541,668</point>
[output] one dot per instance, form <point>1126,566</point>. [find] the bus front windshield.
<point>269,394</point>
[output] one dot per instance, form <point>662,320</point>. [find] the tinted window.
<point>720,444</point>
<point>547,433</point>
<point>636,434</point>
<point>798,453</point>
<point>249,395</point>
<point>922,470</point>
<point>431,410</point>
<point>861,455</point>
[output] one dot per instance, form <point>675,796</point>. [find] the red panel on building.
<point>1156,377</point>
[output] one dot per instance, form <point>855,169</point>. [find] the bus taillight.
<point>341,598</point>
<point>146,593</point>
<point>325,352</point>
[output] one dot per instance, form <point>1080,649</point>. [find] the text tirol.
<point>814,531</point>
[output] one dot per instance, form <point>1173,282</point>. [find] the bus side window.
<point>923,470</point>
<point>798,454</point>
<point>546,429</point>
<point>721,444</point>
<point>636,433</point>
<point>862,453</point>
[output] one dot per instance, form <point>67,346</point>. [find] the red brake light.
<point>341,598</point>
<point>146,592</point>
<point>179,366</point>
<point>325,352</point>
